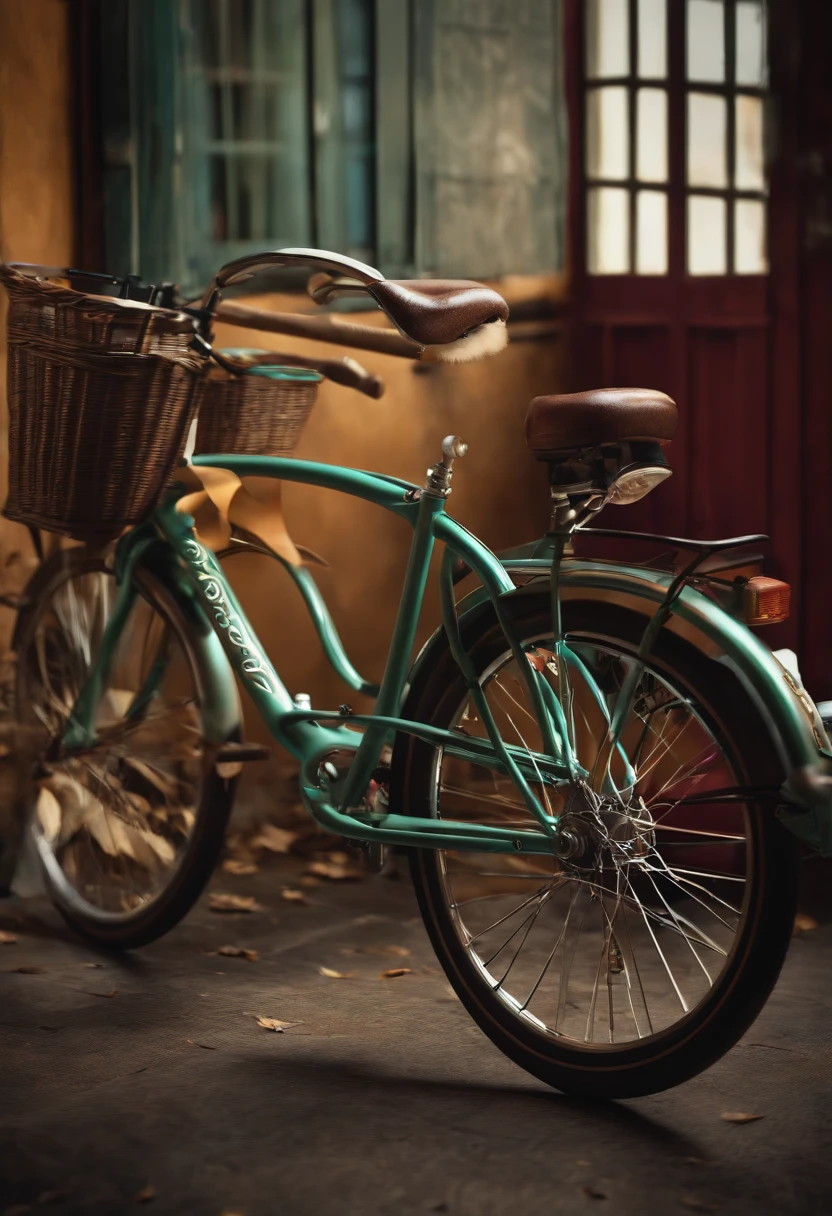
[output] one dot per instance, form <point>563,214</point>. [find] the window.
<point>423,136</point>
<point>237,125</point>
<point>725,84</point>
<point>632,87</point>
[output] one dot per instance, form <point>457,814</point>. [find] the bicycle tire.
<point>199,855</point>
<point>686,1048</point>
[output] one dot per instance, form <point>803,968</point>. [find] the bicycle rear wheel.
<point>637,962</point>
<point>128,830</point>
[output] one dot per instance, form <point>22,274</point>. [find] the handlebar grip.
<point>351,374</point>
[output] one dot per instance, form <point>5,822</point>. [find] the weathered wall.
<point>36,214</point>
<point>499,492</point>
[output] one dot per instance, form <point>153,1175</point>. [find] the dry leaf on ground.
<point>251,956</point>
<point>93,966</point>
<point>335,975</point>
<point>273,838</point>
<point>234,865</point>
<point>739,1116</point>
<point>146,1194</point>
<point>394,972</point>
<point>221,901</point>
<point>399,951</point>
<point>275,1024</point>
<point>309,881</point>
<point>27,969</point>
<point>7,939</point>
<point>592,1193</point>
<point>803,923</point>
<point>107,995</point>
<point>335,871</point>
<point>293,897</point>
<point>204,1046</point>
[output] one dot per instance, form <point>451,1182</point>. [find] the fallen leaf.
<point>739,1116</point>
<point>335,871</point>
<point>591,1193</point>
<point>334,975</point>
<point>204,1046</point>
<point>697,1205</point>
<point>107,995</point>
<point>221,901</point>
<point>146,1194</point>
<point>394,972</point>
<point>49,813</point>
<point>27,969</point>
<point>803,924</point>
<point>293,897</point>
<point>233,865</point>
<point>251,956</point>
<point>309,881</point>
<point>7,939</point>
<point>399,951</point>
<point>275,1024</point>
<point>93,966</point>
<point>273,838</point>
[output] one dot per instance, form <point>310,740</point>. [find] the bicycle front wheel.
<point>637,962</point>
<point>128,830</point>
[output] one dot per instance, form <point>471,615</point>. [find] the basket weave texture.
<point>100,395</point>
<point>252,414</point>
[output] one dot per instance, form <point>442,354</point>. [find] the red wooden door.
<point>668,218</point>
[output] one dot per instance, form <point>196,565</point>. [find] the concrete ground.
<point>145,1083</point>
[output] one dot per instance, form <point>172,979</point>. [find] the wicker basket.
<point>101,393</point>
<point>261,412</point>
<point>93,439</point>
<point>45,311</point>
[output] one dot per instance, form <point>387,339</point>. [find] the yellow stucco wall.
<point>498,490</point>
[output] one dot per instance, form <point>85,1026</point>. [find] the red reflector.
<point>766,600</point>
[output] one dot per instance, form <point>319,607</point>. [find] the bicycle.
<point>591,764</point>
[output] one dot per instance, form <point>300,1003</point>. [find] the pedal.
<point>232,756</point>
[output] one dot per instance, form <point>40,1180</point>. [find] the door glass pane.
<point>748,167</point>
<point>707,140</point>
<point>651,232</point>
<point>608,226</point>
<point>750,237</point>
<point>706,40</point>
<point>651,126</point>
<point>607,133</point>
<point>607,38</point>
<point>751,43</point>
<point>652,38</point>
<point>706,235</point>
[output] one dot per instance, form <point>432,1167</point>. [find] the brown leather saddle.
<point>603,416</point>
<point>434,312</point>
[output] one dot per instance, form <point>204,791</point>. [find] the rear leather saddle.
<point>570,421</point>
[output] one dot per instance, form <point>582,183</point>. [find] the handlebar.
<point>243,268</point>
<point>320,329</point>
<point>346,371</point>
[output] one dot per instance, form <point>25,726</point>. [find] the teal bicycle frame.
<point>166,542</point>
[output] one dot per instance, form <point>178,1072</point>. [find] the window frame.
<point>676,188</point>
